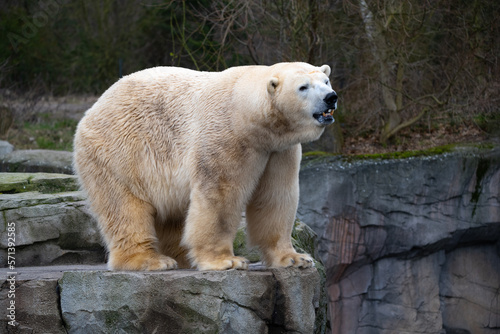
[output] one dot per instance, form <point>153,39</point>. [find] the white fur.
<point>170,157</point>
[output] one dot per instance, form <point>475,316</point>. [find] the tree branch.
<point>389,134</point>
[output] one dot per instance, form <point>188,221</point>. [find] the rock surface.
<point>190,301</point>
<point>411,245</point>
<point>5,148</point>
<point>89,299</point>
<point>33,161</point>
<point>37,308</point>
<point>51,220</point>
<point>13,183</point>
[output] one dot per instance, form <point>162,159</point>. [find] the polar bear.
<point>171,157</point>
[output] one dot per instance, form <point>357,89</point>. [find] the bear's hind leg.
<point>131,238</point>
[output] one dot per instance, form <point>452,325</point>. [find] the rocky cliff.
<point>410,245</point>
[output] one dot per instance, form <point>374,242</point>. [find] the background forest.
<point>414,72</point>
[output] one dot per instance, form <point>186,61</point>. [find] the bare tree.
<point>393,34</point>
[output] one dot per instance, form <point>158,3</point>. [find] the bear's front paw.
<point>229,262</point>
<point>297,260</point>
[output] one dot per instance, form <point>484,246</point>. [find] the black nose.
<point>331,99</point>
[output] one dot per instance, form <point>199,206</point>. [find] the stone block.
<point>189,301</point>
<point>52,222</point>
<point>5,147</point>
<point>33,161</point>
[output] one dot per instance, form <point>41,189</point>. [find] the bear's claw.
<point>296,260</point>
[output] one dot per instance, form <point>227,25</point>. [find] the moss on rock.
<point>46,183</point>
<point>421,153</point>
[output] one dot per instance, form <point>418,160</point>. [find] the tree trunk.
<point>393,118</point>
<point>379,49</point>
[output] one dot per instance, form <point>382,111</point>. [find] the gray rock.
<point>5,148</point>
<point>36,307</point>
<point>470,290</point>
<point>403,296</point>
<point>393,234</point>
<point>293,303</point>
<point>36,299</point>
<point>12,183</point>
<point>50,228</point>
<point>47,161</point>
<point>93,300</point>
<point>89,299</point>
<point>171,302</point>
<point>441,197</point>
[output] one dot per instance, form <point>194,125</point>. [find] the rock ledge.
<point>90,299</point>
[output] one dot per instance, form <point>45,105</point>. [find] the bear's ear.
<point>272,84</point>
<point>326,69</point>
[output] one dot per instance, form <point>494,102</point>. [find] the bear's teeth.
<point>328,112</point>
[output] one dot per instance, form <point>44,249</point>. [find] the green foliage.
<point>80,44</point>
<point>489,122</point>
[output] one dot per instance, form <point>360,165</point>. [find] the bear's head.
<point>302,94</point>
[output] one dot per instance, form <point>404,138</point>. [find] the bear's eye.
<point>304,88</point>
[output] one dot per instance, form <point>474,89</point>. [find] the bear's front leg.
<point>271,211</point>
<point>220,189</point>
<point>211,226</point>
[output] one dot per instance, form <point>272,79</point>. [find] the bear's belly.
<point>169,193</point>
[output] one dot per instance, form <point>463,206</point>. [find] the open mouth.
<point>325,117</point>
